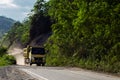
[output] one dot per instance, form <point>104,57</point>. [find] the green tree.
<point>40,21</point>
<point>11,36</point>
<point>19,33</point>
<point>88,30</point>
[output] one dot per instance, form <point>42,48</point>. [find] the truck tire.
<point>38,64</point>
<point>43,64</point>
<point>27,60</point>
<point>30,64</point>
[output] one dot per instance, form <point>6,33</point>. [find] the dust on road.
<point>18,54</point>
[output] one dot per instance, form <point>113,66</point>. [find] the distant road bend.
<point>60,73</point>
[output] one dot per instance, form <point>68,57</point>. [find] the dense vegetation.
<point>85,33</point>
<point>6,59</point>
<point>5,25</point>
<point>40,20</point>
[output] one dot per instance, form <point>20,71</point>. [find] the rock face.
<point>11,73</point>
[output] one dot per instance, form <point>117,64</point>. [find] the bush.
<point>7,60</point>
<point>3,51</point>
<point>88,31</point>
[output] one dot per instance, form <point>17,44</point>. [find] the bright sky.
<point>16,9</point>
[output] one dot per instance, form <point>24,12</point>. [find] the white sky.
<point>7,4</point>
<point>16,9</point>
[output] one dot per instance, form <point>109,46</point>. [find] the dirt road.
<point>57,73</point>
<point>18,54</point>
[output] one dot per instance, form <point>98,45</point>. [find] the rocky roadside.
<point>12,73</point>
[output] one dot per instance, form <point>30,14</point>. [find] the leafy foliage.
<point>86,30</point>
<point>3,50</point>
<point>6,59</point>
<point>19,33</point>
<point>40,21</point>
<point>85,33</point>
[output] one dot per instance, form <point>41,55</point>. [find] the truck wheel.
<point>27,60</point>
<point>38,64</point>
<point>43,64</point>
<point>30,64</point>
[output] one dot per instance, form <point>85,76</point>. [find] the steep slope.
<point>5,24</point>
<point>40,40</point>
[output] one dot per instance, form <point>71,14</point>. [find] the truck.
<point>34,55</point>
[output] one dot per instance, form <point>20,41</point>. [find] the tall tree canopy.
<point>86,29</point>
<point>40,21</point>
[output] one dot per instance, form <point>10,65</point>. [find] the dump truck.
<point>34,55</point>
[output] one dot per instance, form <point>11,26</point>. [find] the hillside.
<point>84,33</point>
<point>5,24</point>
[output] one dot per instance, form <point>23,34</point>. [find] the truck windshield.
<point>38,51</point>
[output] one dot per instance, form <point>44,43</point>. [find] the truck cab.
<point>34,55</point>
